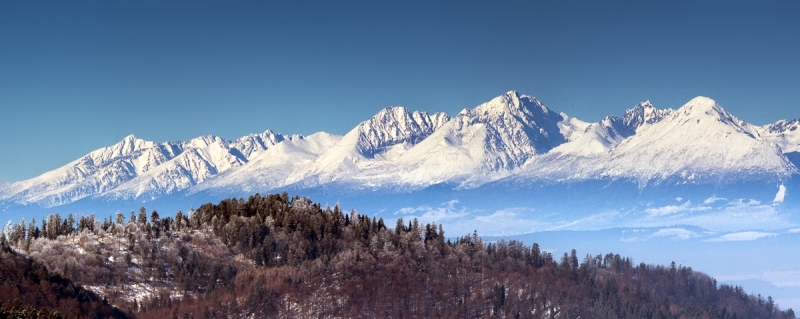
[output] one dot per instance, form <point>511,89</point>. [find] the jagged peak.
<point>781,126</point>
<point>643,113</point>
<point>394,110</point>
<point>126,146</point>
<point>393,125</point>
<point>608,120</point>
<point>132,142</point>
<point>644,105</point>
<point>272,136</point>
<point>252,143</point>
<point>510,102</point>
<point>386,116</point>
<point>439,118</point>
<point>392,114</point>
<point>401,117</point>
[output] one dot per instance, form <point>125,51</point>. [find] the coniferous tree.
<point>142,220</point>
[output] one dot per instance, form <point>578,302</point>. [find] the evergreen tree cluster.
<point>277,256</point>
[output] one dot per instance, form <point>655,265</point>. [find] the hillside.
<point>30,290</point>
<point>279,257</point>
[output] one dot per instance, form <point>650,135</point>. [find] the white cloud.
<point>426,213</point>
<point>679,199</point>
<point>780,195</point>
<point>794,230</point>
<point>736,215</point>
<point>669,209</point>
<point>504,222</point>
<point>742,236</point>
<point>675,233</point>
<point>674,209</point>
<point>713,199</point>
<point>744,202</point>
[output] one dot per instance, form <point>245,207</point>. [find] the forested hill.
<point>280,257</point>
<point>28,290</point>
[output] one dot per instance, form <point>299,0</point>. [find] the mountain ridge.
<point>510,135</point>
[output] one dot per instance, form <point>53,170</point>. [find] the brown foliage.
<point>281,257</point>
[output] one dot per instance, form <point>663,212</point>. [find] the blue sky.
<point>78,76</point>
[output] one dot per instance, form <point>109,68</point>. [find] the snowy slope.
<point>253,143</point>
<point>597,138</point>
<point>785,134</point>
<point>271,169</point>
<point>384,137</point>
<point>585,156</point>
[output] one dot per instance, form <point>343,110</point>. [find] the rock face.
<point>512,135</point>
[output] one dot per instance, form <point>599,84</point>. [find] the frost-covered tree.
<point>142,217</point>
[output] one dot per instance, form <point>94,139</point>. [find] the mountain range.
<point>512,138</point>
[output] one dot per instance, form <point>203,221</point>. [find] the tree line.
<point>277,256</point>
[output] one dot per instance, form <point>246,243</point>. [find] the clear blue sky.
<point>77,76</point>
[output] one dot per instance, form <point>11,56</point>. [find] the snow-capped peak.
<point>485,143</point>
<point>702,105</point>
<point>511,102</point>
<point>520,120</point>
<point>130,144</point>
<point>127,146</point>
<point>272,137</point>
<point>641,114</point>
<point>203,141</point>
<point>702,111</point>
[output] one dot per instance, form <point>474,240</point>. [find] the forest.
<point>277,256</point>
